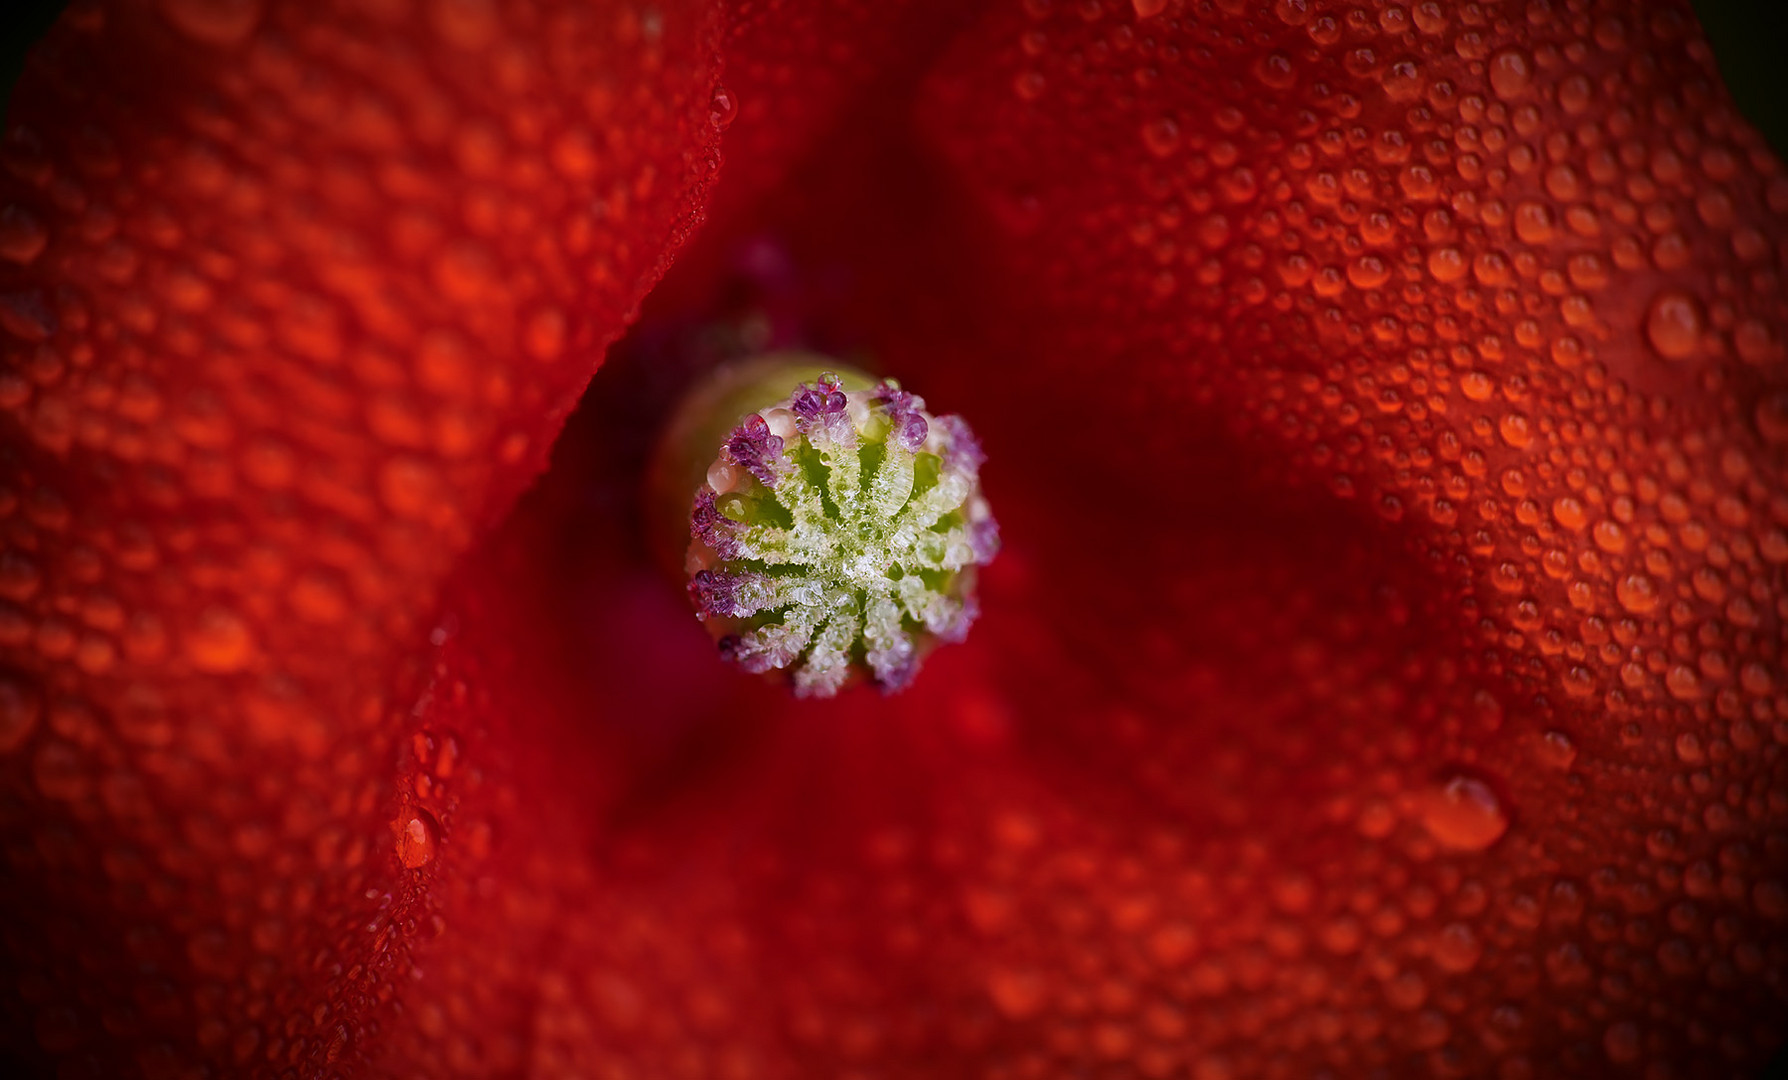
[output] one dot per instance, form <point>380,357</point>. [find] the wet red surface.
<point>1386,419</point>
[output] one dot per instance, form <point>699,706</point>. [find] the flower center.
<point>836,530</point>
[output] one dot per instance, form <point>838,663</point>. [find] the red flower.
<point>1386,418</point>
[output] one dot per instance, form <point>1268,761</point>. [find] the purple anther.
<point>713,528</point>
<point>749,652</point>
<point>822,404</point>
<point>961,449</point>
<point>953,625</point>
<point>984,540</point>
<point>894,669</point>
<point>754,449</point>
<point>908,426</point>
<point>716,593</point>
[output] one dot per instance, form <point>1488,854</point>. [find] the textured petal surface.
<point>1506,278</point>
<point>1266,765</point>
<point>293,298</point>
<point>1382,670</point>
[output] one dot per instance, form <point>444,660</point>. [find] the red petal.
<point>292,304</point>
<point>1508,282</point>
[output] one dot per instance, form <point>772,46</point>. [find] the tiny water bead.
<point>834,534</point>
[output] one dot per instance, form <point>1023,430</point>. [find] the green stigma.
<point>836,532</point>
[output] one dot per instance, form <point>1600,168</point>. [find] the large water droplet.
<point>1162,136</point>
<point>468,24</point>
<point>1464,814</point>
<point>1515,430</point>
<point>1018,995</point>
<point>1622,1042</point>
<point>1511,73</point>
<point>416,838</point>
<point>213,22</point>
<point>1637,593</point>
<point>220,642</point>
<point>1673,324</point>
<point>1555,748</point>
<point>723,108</point>
<point>1457,949</point>
<point>22,236</point>
<point>20,708</point>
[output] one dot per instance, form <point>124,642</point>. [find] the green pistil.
<point>836,535</point>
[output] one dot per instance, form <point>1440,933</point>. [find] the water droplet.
<point>1447,264</point>
<point>1637,593</point>
<point>1515,430</point>
<point>1018,995</point>
<point>416,843</point>
<point>58,772</point>
<point>1172,944</point>
<point>988,910</point>
<point>27,316</point>
<point>20,708</point>
<point>1376,819</point>
<point>1622,1042</point>
<point>1402,80</point>
<point>723,108</point>
<point>1477,386</point>
<point>1755,343</point>
<point>1568,511</point>
<point>544,335</point>
<point>1292,12</point>
<point>1673,324</point>
<point>213,22</point>
<point>1148,9</point>
<point>1162,136</point>
<point>468,24</point>
<point>1368,272</point>
<point>1464,814</point>
<point>411,487</point>
<point>1609,536</point>
<point>1534,222</point>
<point>1275,70</point>
<point>1457,950</point>
<point>220,642</point>
<point>1511,73</point>
<point>1555,748</point>
<point>1683,683</point>
<point>22,236</point>
<point>1771,416</point>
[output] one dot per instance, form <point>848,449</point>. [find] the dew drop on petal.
<point>1018,995</point>
<point>1511,73</point>
<point>1457,949</point>
<point>22,236</point>
<point>1555,749</point>
<point>1622,1042</point>
<point>1771,416</point>
<point>416,831</point>
<point>1464,814</point>
<point>219,642</point>
<point>723,108</point>
<point>20,709</point>
<point>1515,430</point>
<point>1673,324</point>
<point>1637,593</point>
<point>213,22</point>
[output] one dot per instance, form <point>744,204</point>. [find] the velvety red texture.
<point>1386,419</point>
